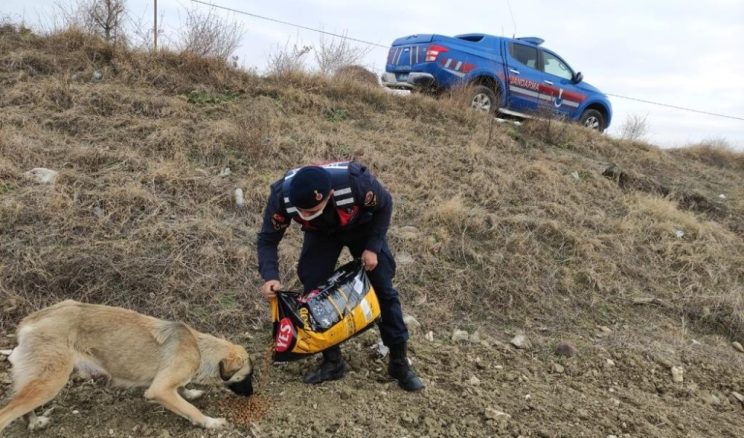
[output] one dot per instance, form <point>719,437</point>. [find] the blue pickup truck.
<point>515,76</point>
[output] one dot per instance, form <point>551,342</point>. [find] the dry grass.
<point>503,223</point>
<point>716,153</point>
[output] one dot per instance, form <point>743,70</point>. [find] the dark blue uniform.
<point>358,217</point>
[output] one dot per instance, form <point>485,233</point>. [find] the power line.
<point>677,107</point>
<point>291,24</point>
<point>387,47</point>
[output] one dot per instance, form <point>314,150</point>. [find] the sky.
<point>678,52</point>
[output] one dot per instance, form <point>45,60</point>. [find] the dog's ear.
<point>226,371</point>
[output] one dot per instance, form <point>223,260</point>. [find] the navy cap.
<point>309,187</point>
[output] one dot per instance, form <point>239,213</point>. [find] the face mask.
<point>309,218</point>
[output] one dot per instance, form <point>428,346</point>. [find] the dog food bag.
<point>341,307</point>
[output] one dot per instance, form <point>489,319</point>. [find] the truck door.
<point>523,77</point>
<point>558,91</point>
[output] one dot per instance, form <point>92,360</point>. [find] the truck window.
<point>554,66</point>
<point>524,54</point>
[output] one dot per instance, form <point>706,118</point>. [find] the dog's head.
<point>236,371</point>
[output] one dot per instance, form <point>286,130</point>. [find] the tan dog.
<point>130,348</point>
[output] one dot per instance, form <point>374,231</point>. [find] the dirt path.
<point>614,385</point>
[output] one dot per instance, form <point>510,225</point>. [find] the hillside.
<point>630,253</point>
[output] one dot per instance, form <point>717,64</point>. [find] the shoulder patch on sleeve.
<point>370,199</point>
<point>278,221</point>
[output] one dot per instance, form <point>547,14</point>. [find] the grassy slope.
<point>503,230</point>
<point>497,227</point>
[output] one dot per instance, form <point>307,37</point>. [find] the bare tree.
<point>106,17</point>
<point>634,127</point>
<point>288,59</point>
<point>208,34</point>
<point>336,53</point>
<point>140,32</point>
<point>100,17</point>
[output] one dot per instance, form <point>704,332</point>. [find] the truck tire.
<point>483,99</point>
<point>592,119</point>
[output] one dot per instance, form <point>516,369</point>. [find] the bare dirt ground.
<point>547,229</point>
<point>483,386</point>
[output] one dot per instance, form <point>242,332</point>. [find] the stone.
<point>711,399</point>
<point>225,172</point>
<point>520,341</point>
<point>678,374</point>
<point>558,368</point>
<point>475,337</point>
<point>460,336</point>
<point>474,381</point>
<point>403,258</point>
<point>42,175</point>
<point>411,322</point>
<point>98,212</point>
<point>738,346</point>
<point>239,199</point>
<point>604,331</point>
<point>408,232</point>
<point>429,336</point>
<point>480,364</point>
<point>609,363</point>
<point>738,396</point>
<point>565,349</point>
<point>496,415</point>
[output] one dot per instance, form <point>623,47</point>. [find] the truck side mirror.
<point>578,77</point>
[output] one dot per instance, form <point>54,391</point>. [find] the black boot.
<point>332,367</point>
<point>401,371</point>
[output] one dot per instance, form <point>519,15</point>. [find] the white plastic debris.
<point>380,349</point>
<point>239,200</point>
<point>576,175</point>
<point>678,374</point>
<point>722,196</point>
<point>460,336</point>
<point>42,175</point>
<point>679,233</point>
<point>225,172</point>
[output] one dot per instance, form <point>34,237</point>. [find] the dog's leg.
<point>164,391</point>
<point>35,391</point>
<point>190,394</point>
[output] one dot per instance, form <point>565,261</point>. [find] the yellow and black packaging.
<point>343,306</point>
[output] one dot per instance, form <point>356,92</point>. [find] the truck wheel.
<point>483,99</point>
<point>593,119</point>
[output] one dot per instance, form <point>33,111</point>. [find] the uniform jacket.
<point>360,204</point>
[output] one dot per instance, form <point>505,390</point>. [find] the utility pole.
<point>155,26</point>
